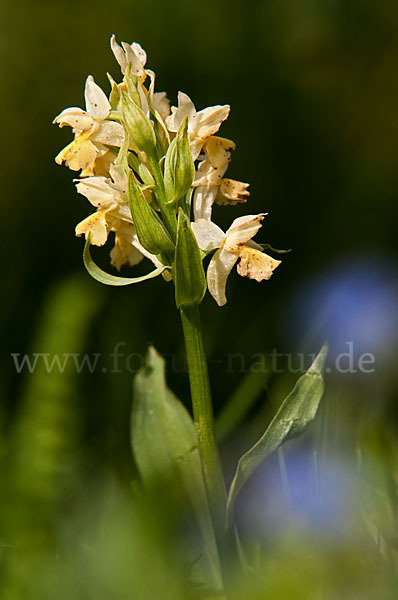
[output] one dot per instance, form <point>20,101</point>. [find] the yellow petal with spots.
<point>95,225</point>
<point>255,264</point>
<point>233,192</point>
<point>79,154</point>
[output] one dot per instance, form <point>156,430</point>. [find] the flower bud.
<point>179,167</point>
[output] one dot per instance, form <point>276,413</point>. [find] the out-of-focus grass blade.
<point>295,413</point>
<point>41,446</point>
<point>165,448</point>
<point>240,402</point>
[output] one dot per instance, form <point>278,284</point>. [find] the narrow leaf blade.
<point>99,275</point>
<point>296,412</point>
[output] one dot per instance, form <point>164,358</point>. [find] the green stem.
<point>168,212</point>
<point>203,412</point>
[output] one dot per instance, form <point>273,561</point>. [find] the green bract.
<point>189,276</point>
<point>137,125</point>
<point>150,229</point>
<point>179,167</point>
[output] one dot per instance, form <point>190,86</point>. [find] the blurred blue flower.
<point>353,306</point>
<point>320,496</point>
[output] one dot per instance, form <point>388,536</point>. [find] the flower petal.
<point>110,133</point>
<point>218,152</point>
<point>76,118</point>
<point>103,163</point>
<point>96,190</point>
<point>97,104</point>
<point>242,230</point>
<point>195,146</point>
<point>124,252</point>
<point>166,274</point>
<point>96,226</point>
<point>161,103</point>
<point>255,264</point>
<point>208,235</point>
<point>206,175</point>
<point>119,178</point>
<point>185,108</point>
<point>203,201</point>
<point>233,192</point>
<point>217,274</point>
<point>139,52</point>
<point>119,54</point>
<point>208,121</point>
<point>137,57</point>
<point>79,154</point>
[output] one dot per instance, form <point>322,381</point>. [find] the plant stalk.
<point>168,212</point>
<point>203,413</point>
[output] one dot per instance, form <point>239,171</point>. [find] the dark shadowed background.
<point>313,89</point>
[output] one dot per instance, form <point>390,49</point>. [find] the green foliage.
<point>100,275</point>
<point>296,412</point>
<point>179,166</point>
<point>137,125</point>
<point>150,229</point>
<point>42,448</point>
<point>165,448</point>
<point>189,275</point>
<point>321,70</point>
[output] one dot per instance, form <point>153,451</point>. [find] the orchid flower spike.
<point>149,171</point>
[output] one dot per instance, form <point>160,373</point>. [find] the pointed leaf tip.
<point>319,362</point>
<point>295,413</point>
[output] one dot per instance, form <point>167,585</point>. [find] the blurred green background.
<point>313,90</point>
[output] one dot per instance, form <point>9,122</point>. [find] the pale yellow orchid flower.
<point>211,186</point>
<point>109,196</point>
<point>233,245</point>
<point>201,125</point>
<point>132,54</point>
<point>93,133</point>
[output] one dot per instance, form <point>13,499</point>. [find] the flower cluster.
<point>143,163</point>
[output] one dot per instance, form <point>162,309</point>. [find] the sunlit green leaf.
<point>99,275</point>
<point>190,280</point>
<point>165,447</point>
<point>295,413</point>
<point>150,229</point>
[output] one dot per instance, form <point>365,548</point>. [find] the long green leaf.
<point>295,413</point>
<point>99,275</point>
<point>165,447</point>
